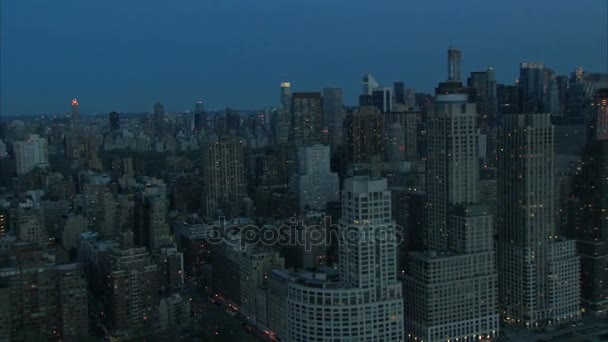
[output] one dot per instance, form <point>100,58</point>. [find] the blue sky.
<point>125,55</point>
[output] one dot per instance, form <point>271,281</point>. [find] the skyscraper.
<point>483,93</point>
<point>591,199</point>
<point>75,114</point>
<point>315,184</point>
<point>366,302</point>
<point>598,129</point>
<point>452,164</point>
<point>365,135</point>
<point>395,142</point>
<point>454,277</point>
<point>399,92</point>
<point>285,97</point>
<point>333,115</point>
<point>281,123</point>
<point>366,220</point>
<point>531,75</point>
<point>382,98</point>
<point>453,85</point>
<point>369,84</point>
<point>507,98</point>
<point>224,175</point>
<point>114,121</point>
<point>200,117</point>
<point>306,118</point>
<point>538,271</point>
<point>454,64</point>
<point>159,120</point>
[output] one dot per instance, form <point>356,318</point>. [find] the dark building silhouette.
<point>531,76</point>
<point>507,98</point>
<point>365,135</point>
<point>589,221</point>
<point>306,118</point>
<point>114,119</point>
<point>399,89</point>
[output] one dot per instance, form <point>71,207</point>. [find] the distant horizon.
<point>235,53</point>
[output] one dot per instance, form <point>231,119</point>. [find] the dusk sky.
<point>125,55</point>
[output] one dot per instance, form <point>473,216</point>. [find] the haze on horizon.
<point>127,55</point>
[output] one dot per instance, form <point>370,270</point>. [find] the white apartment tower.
<point>315,185</point>
<point>366,303</point>
<point>30,154</point>
<point>539,282</point>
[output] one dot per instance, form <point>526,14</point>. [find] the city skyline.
<point>145,59</point>
<point>291,172</point>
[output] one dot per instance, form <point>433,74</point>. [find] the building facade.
<point>365,302</point>
<point>534,290</point>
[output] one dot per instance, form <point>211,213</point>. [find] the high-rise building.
<point>75,114</point>
<point>454,64</point>
<point>132,289</point>
<point>395,143</point>
<point>159,120</point>
<point>454,275</point>
<point>315,184</point>
<point>30,225</point>
<point>306,118</point>
<point>281,123</point>
<point>39,296</point>
<point>30,154</point>
<point>200,117</point>
<point>382,98</point>
<point>151,227</point>
<point>3,222</point>
<point>562,90</point>
<point>73,297</point>
<point>285,96</point>
<point>224,175</point>
<point>319,307</point>
<point>483,93</point>
<point>453,85</point>
<point>399,92</point>
<point>369,84</point>
<point>453,293</point>
<point>590,192</point>
<point>531,77</point>
<point>254,269</point>
<point>171,269</point>
<point>410,122</point>
<point>598,129</point>
<point>114,121</point>
<point>591,231</point>
<point>233,120</point>
<point>551,95</point>
<point>410,99</point>
<point>365,135</point>
<point>278,281</point>
<point>452,164</point>
<point>538,271</point>
<point>507,97</point>
<point>333,115</point>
